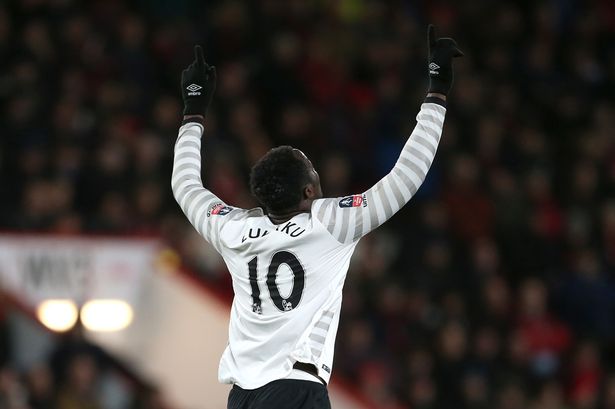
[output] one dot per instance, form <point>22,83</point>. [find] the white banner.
<point>35,268</point>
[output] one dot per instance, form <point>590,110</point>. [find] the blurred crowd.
<point>71,374</point>
<point>493,288</point>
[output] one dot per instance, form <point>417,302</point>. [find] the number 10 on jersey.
<point>281,303</point>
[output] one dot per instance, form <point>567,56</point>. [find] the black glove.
<point>198,84</point>
<point>441,54</point>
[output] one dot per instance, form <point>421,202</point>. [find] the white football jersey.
<point>288,278</point>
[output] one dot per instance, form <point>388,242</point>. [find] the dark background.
<point>493,288</point>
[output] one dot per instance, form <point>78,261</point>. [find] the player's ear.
<point>309,191</point>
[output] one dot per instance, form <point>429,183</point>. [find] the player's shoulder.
<point>236,219</point>
<point>254,212</point>
<point>233,213</point>
<point>321,206</point>
<point>324,202</point>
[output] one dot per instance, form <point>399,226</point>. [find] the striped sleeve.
<point>205,211</point>
<point>350,218</point>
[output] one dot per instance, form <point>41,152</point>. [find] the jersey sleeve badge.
<point>219,209</point>
<point>353,201</point>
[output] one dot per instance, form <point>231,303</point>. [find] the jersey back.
<point>288,278</point>
<point>288,282</point>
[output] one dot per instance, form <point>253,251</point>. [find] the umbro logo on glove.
<point>193,88</point>
<point>433,68</point>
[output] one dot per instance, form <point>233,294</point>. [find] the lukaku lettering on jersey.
<point>290,228</point>
<point>353,201</point>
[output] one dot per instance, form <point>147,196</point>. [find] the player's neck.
<point>280,218</point>
<point>286,215</point>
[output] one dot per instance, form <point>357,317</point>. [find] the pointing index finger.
<point>431,36</point>
<point>198,55</point>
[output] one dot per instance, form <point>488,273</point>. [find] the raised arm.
<point>351,217</point>
<point>201,206</point>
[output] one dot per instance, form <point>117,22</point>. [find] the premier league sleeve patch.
<point>219,209</point>
<point>353,201</point>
